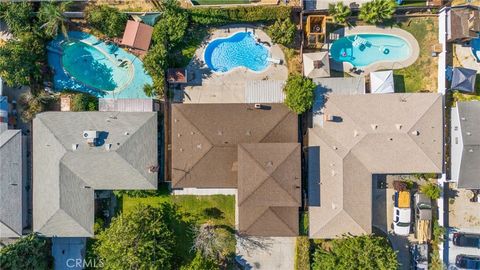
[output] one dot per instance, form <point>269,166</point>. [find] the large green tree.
<point>142,239</point>
<point>107,20</point>
<point>29,252</point>
<point>19,16</point>
<point>339,12</point>
<point>21,60</point>
<point>361,252</point>
<point>282,32</point>
<point>155,63</point>
<point>200,263</point>
<point>51,15</point>
<point>299,93</point>
<point>171,28</point>
<point>377,11</point>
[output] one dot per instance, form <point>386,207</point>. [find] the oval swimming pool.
<point>238,50</point>
<point>94,68</point>
<point>361,50</point>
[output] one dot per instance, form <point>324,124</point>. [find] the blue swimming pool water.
<point>364,49</point>
<point>84,63</point>
<point>475,44</point>
<point>238,50</point>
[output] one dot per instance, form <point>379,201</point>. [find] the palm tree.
<point>339,12</point>
<point>377,11</point>
<point>51,14</point>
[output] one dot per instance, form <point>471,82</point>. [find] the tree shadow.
<point>399,83</point>
<point>213,212</point>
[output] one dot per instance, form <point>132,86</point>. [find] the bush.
<point>339,12</point>
<point>83,102</point>
<point>155,63</point>
<point>29,252</point>
<point>135,193</point>
<point>363,252</point>
<point>302,253</point>
<point>216,16</point>
<point>300,93</point>
<point>18,16</point>
<point>377,11</point>
<point>107,20</point>
<point>431,190</point>
<point>282,32</point>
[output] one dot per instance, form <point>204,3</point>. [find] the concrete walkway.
<point>206,86</point>
<point>466,58</point>
<point>267,253</point>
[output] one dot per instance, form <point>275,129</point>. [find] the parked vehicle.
<point>466,240</point>
<point>419,256</point>
<point>469,262</point>
<point>402,213</point>
<point>423,217</point>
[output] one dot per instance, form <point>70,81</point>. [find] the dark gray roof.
<point>469,113</point>
<point>11,183</point>
<point>66,170</point>
<point>464,79</point>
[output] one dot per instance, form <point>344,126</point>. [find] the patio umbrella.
<point>463,79</point>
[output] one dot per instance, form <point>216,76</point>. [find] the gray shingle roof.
<point>469,175</point>
<point>64,178</point>
<point>11,183</point>
<point>371,134</point>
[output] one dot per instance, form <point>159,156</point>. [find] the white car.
<point>402,219</point>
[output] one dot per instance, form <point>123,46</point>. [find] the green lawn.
<point>220,209</point>
<point>422,75</point>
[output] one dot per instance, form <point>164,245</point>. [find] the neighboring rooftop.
<point>464,23</point>
<point>316,65</point>
<point>465,154</point>
<point>75,153</point>
<point>463,79</point>
<point>205,139</point>
<point>363,135</point>
<point>12,184</point>
<point>381,82</point>
<point>269,187</point>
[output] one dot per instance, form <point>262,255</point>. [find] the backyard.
<point>422,75</point>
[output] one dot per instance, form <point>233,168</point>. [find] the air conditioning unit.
<point>91,136</point>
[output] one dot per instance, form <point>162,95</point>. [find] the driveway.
<point>382,216</point>
<point>267,253</point>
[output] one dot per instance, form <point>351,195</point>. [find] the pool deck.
<point>381,65</point>
<point>205,86</point>
<point>466,58</point>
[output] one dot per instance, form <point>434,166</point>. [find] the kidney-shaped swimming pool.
<point>238,50</point>
<point>361,50</point>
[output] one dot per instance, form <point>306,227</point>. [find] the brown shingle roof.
<point>205,139</point>
<point>269,181</point>
<point>464,23</point>
<point>137,35</point>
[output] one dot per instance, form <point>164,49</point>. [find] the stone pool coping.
<point>380,65</point>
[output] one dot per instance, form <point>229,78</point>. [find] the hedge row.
<point>216,16</point>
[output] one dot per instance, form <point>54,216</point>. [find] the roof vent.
<point>126,133</point>
<point>249,133</point>
<point>153,169</point>
<point>328,117</point>
<point>334,147</point>
<point>374,126</point>
<point>108,146</point>
<point>470,150</point>
<point>334,173</point>
<point>258,106</point>
<point>91,136</point>
<point>463,119</point>
<point>390,139</point>
<point>399,126</point>
<point>199,146</point>
<point>469,133</point>
<point>191,132</point>
<point>415,132</point>
<point>269,164</point>
<point>179,135</point>
<point>219,133</point>
<point>74,146</point>
<point>355,133</point>
<point>334,206</point>
<point>175,120</point>
<point>181,149</point>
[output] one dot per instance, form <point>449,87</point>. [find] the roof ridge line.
<point>275,126</point>
<point>271,209</point>
<point>193,165</point>
<point>283,161</point>
<point>188,120</point>
<point>11,137</point>
<point>259,216</point>
<point>10,228</point>
<point>258,164</point>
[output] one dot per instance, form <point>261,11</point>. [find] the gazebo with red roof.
<point>137,35</point>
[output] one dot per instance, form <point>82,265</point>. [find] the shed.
<point>463,79</point>
<point>381,82</point>
<point>316,65</point>
<point>137,35</point>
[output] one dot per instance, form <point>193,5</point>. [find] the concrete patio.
<point>205,86</point>
<point>465,57</point>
